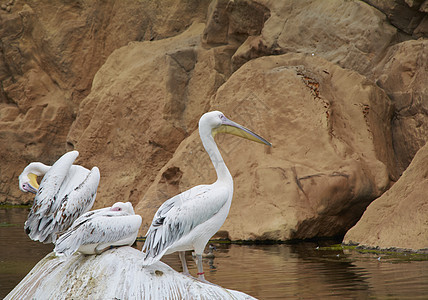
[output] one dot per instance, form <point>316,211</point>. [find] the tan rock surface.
<point>50,52</point>
<point>141,103</point>
<point>71,79</point>
<point>352,34</point>
<point>330,157</point>
<point>403,74</point>
<point>398,219</point>
<point>407,15</point>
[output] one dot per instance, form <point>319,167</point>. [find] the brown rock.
<point>144,101</point>
<point>330,156</point>
<point>229,24</point>
<point>351,34</point>
<point>49,54</point>
<point>406,15</point>
<point>403,74</point>
<point>398,219</point>
<point>70,78</point>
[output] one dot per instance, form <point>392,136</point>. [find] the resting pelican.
<point>187,221</point>
<point>66,192</point>
<point>98,230</point>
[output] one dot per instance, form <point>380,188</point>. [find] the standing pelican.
<point>98,230</point>
<point>187,221</point>
<point>65,192</point>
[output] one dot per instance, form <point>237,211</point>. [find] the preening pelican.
<point>98,230</point>
<point>187,221</point>
<point>65,192</point>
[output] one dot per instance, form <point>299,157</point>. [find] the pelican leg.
<point>182,255</point>
<point>201,276</point>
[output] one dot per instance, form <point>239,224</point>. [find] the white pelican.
<point>100,229</point>
<point>209,254</point>
<point>187,221</point>
<point>66,192</point>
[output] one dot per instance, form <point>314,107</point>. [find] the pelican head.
<point>28,177</point>
<point>125,207</point>
<point>217,122</point>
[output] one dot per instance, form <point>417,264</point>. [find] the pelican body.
<point>98,230</point>
<point>65,192</point>
<point>187,221</point>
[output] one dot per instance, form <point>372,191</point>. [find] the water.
<point>264,271</point>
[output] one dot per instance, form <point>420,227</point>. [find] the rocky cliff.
<point>339,88</point>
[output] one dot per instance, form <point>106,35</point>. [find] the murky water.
<point>264,271</point>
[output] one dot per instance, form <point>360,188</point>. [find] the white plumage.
<point>187,221</point>
<point>65,192</point>
<point>98,230</point>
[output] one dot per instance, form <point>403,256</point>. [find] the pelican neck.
<point>37,168</point>
<point>211,148</point>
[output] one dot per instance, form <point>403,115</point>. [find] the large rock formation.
<point>142,104</point>
<point>398,219</point>
<point>49,54</point>
<point>331,153</point>
<point>403,74</point>
<point>125,85</point>
<point>349,33</point>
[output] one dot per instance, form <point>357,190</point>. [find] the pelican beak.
<point>34,186</point>
<point>231,127</point>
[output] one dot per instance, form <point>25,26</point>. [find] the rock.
<point>115,274</point>
<point>351,34</point>
<point>424,7</point>
<point>407,15</point>
<point>331,153</point>
<point>229,24</point>
<point>144,101</point>
<point>397,219</point>
<point>50,52</point>
<point>126,84</point>
<point>403,74</point>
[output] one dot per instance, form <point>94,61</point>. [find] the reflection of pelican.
<point>98,230</point>
<point>66,192</point>
<point>209,254</point>
<point>188,220</point>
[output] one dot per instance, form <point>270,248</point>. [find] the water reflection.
<point>297,271</point>
<point>18,254</point>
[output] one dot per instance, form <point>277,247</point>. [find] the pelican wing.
<point>66,192</point>
<point>178,216</point>
<point>77,202</point>
<point>45,199</point>
<point>97,227</point>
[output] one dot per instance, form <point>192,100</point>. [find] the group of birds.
<point>61,212</point>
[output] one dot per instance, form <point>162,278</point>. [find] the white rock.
<point>115,274</point>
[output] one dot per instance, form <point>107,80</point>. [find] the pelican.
<point>187,221</point>
<point>209,254</point>
<point>65,192</point>
<point>98,230</point>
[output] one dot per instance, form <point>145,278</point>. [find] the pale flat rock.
<point>331,153</point>
<point>399,218</point>
<point>115,274</point>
